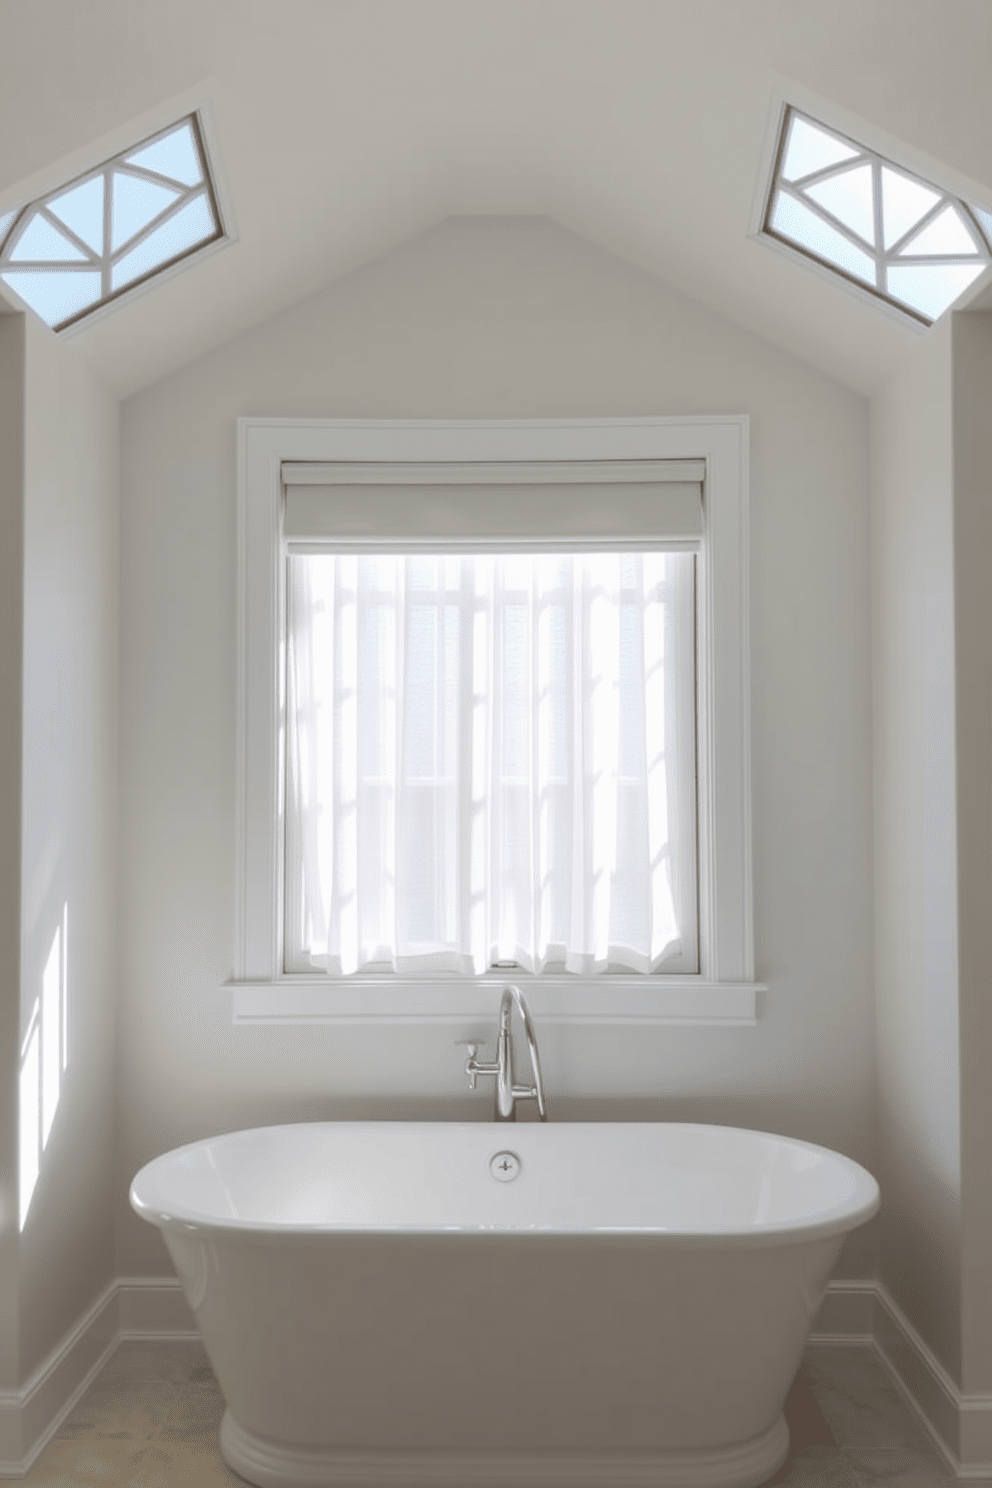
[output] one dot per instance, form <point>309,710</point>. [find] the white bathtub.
<point>630,1308</point>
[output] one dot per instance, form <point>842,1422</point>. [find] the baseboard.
<point>153,1307</point>
<point>130,1307</point>
<point>862,1312</point>
<point>847,1313</point>
<point>958,1425</point>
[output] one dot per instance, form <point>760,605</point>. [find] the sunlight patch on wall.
<point>30,1114</point>
<point>44,1060</point>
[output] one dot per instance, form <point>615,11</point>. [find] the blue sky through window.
<point>81,209</point>
<point>173,156</point>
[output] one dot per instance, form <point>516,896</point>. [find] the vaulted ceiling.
<point>344,127</point>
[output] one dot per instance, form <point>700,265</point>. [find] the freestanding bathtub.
<point>428,1304</point>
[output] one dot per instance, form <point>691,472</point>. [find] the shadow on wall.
<point>44,1060</point>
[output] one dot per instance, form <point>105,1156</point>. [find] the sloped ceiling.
<point>345,127</point>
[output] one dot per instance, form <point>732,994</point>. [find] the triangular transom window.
<point>88,242</point>
<point>905,240</point>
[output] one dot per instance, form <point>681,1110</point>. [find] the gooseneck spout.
<point>508,1092</point>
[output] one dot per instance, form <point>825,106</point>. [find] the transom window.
<point>87,243</point>
<point>878,226</point>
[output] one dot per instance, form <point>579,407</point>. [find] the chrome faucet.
<point>508,1093</point>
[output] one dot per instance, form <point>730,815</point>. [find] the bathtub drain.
<point>504,1166</point>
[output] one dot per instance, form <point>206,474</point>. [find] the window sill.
<point>615,1000</point>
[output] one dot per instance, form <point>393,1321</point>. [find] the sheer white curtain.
<point>491,758</point>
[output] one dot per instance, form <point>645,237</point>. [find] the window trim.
<point>724,991</point>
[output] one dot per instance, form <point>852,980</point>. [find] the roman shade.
<point>613,505</point>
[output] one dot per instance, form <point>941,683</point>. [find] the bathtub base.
<point>277,1465</point>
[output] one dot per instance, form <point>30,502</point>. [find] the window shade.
<point>615,505</point>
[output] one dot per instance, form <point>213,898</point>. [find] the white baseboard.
<point>862,1312</point>
<point>847,1313</point>
<point>130,1307</point>
<point>153,1307</point>
<point>958,1425</point>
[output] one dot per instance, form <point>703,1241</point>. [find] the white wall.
<point>916,842</point>
<point>494,317</point>
<point>11,660</point>
<point>932,661</point>
<point>69,824</point>
<point>972,394</point>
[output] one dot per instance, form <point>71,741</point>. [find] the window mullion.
<point>108,223</point>
<point>876,197</point>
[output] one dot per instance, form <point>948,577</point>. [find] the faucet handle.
<point>472,1045</point>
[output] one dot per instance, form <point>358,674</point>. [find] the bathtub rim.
<point>187,1222</point>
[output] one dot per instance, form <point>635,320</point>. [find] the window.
<point>904,240</point>
<point>490,761</point>
<point>413,653</point>
<point>87,243</point>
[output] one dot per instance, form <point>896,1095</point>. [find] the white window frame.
<point>724,990</point>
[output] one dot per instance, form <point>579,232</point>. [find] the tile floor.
<point>151,1418</point>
